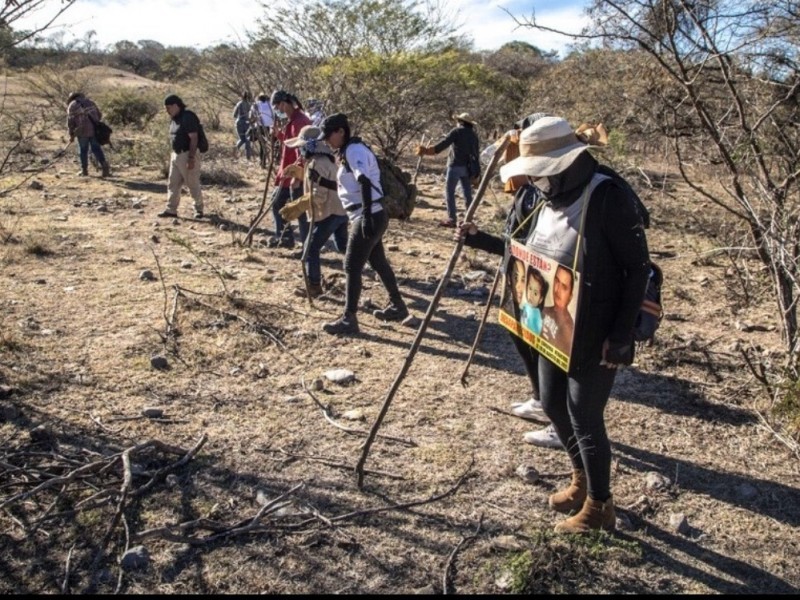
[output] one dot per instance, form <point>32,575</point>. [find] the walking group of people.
<point>567,207</point>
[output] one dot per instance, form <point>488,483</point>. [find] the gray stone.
<point>159,362</point>
<point>36,185</point>
<point>527,473</point>
<point>135,559</point>
<point>317,385</point>
<point>152,412</point>
<point>186,264</point>
<point>679,523</point>
<point>747,491</point>
<point>8,412</point>
<point>657,481</point>
<point>474,275</point>
<point>354,414</point>
<point>340,376</point>
<point>147,275</point>
<point>427,590</point>
<point>102,208</point>
<point>6,391</point>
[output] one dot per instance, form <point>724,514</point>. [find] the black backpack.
<point>202,140</point>
<point>651,313</point>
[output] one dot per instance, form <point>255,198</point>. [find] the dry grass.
<point>80,327</point>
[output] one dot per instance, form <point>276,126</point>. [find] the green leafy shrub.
<point>128,107</point>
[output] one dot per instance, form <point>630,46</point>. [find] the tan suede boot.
<point>571,498</point>
<point>593,516</point>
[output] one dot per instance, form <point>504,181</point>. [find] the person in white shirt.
<point>262,119</point>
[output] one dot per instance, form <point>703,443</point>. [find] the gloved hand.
<point>616,354</point>
<point>294,171</point>
<point>292,210</point>
<point>367,228</point>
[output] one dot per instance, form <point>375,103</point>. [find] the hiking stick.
<point>248,239</point>
<point>419,162</point>
<point>307,244</point>
<point>428,315</point>
<point>481,326</point>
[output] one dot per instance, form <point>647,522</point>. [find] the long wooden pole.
<point>428,315</point>
<point>248,239</point>
<point>481,326</point>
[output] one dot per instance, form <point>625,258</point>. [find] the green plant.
<point>129,107</point>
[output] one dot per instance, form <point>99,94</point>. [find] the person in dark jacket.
<point>82,114</point>
<point>613,264</point>
<point>184,163</point>
<point>463,156</point>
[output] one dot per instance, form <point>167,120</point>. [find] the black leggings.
<point>361,250</point>
<point>530,358</point>
<point>575,405</point>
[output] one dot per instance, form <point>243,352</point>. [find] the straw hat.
<point>466,118</point>
<point>546,148</point>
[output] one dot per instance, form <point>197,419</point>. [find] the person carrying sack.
<point>322,206</point>
<point>82,114</point>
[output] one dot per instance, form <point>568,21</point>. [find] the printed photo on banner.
<point>539,302</point>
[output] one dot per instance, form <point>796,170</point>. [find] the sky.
<point>203,23</point>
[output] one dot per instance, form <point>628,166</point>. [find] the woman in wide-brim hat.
<point>610,257</point>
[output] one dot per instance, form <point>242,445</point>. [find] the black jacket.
<point>616,265</point>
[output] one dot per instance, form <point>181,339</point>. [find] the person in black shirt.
<point>461,163</point>
<point>184,164</point>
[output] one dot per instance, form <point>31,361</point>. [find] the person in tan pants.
<point>184,165</point>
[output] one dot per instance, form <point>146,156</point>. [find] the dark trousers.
<point>283,230</point>
<point>332,225</point>
<point>84,143</point>
<point>530,358</point>
<point>362,250</point>
<point>575,404</point>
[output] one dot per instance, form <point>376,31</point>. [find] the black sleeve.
<point>487,242</point>
<point>327,184</point>
<point>451,138</point>
<point>366,191</point>
<point>624,234</point>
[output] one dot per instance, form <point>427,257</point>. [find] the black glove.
<point>313,175</point>
<point>618,353</point>
<point>367,227</point>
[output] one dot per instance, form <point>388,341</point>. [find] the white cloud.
<point>202,23</point>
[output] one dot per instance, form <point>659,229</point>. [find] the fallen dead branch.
<point>326,412</point>
<point>452,557</point>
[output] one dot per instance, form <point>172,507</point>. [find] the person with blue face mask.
<point>320,204</point>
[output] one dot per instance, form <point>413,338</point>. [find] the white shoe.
<point>532,409</point>
<point>531,399</point>
<point>544,438</point>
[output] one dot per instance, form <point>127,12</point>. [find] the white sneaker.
<point>532,409</point>
<point>516,404</point>
<point>544,438</point>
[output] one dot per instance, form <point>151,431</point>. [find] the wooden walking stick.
<point>481,326</point>
<point>248,239</point>
<point>307,243</point>
<point>428,315</point>
<point>419,162</point>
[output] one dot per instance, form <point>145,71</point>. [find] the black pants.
<point>575,404</point>
<point>530,358</point>
<point>360,251</point>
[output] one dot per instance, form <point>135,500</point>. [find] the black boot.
<point>395,311</point>
<point>106,169</point>
<point>347,323</point>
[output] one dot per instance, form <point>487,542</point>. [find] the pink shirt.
<point>290,156</point>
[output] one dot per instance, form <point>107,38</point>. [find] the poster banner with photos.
<point>539,302</point>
